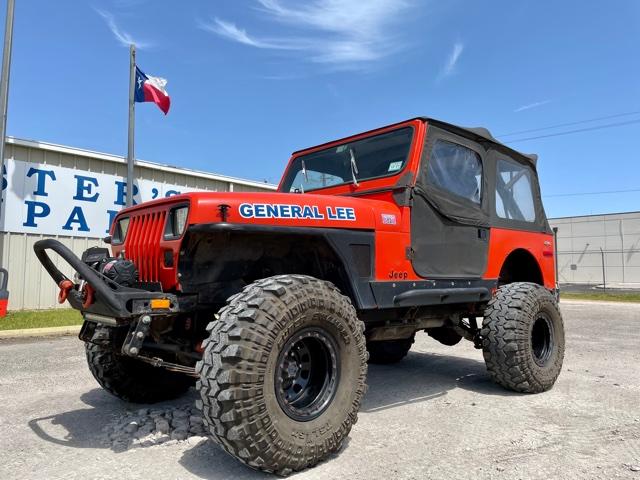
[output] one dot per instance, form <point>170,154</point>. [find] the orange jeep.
<point>275,302</point>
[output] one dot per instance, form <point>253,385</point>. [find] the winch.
<point>120,270</point>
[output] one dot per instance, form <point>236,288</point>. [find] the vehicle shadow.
<point>83,428</point>
<point>420,377</point>
<point>424,376</point>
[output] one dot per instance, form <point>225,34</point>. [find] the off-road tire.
<point>131,380</point>
<point>510,347</point>
<point>385,352</point>
<point>240,367</point>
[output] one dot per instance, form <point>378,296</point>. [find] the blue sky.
<point>251,81</point>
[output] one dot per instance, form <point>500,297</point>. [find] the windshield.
<point>372,157</point>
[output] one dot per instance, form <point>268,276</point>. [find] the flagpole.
<point>132,121</point>
<point>4,98</point>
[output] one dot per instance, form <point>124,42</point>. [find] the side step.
<point>441,296</point>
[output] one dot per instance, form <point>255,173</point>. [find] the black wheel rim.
<point>307,374</point>
<point>542,339</point>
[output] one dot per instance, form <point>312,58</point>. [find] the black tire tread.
<point>131,380</point>
<point>232,371</point>
<point>505,331</point>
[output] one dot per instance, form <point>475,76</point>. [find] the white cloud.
<point>231,31</point>
<point>532,105</point>
<point>124,38</point>
<point>452,60</point>
<point>341,33</point>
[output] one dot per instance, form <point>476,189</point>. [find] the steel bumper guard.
<point>109,299</point>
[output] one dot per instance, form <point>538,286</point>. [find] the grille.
<point>142,244</point>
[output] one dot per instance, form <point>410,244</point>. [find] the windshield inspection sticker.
<point>393,166</point>
<point>313,212</point>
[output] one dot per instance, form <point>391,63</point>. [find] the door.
<point>449,220</point>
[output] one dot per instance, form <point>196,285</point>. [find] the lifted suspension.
<point>132,347</point>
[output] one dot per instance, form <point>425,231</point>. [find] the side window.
<point>456,169</point>
<point>514,196</point>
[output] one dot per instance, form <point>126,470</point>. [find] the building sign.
<point>53,200</point>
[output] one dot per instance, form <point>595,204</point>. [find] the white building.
<point>70,194</point>
<point>586,244</point>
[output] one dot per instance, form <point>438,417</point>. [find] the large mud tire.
<point>131,380</point>
<point>242,395</point>
<point>389,351</point>
<point>523,338</point>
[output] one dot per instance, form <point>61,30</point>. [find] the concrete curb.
<point>41,332</point>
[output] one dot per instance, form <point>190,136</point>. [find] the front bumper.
<point>110,299</point>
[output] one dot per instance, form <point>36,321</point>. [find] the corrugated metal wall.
<point>30,286</point>
<point>580,240</point>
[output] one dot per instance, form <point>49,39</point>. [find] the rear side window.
<point>456,169</point>
<point>514,196</point>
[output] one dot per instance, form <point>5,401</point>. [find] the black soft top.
<point>480,134</point>
<point>477,134</point>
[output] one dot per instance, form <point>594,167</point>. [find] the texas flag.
<point>151,89</point>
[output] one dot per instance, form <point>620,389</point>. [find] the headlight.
<point>120,231</point>
<point>176,222</point>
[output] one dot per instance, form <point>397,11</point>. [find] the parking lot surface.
<point>435,415</point>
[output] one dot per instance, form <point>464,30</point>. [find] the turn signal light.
<point>160,303</point>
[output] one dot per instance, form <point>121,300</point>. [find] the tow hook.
<point>65,287</point>
<point>87,295</point>
<point>87,292</point>
<point>135,338</point>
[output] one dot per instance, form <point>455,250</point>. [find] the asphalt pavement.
<point>435,415</point>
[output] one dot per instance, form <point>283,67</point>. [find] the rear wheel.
<point>523,338</point>
<point>283,373</point>
<point>389,351</point>
<point>132,380</point>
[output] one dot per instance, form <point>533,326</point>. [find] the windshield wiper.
<point>354,167</point>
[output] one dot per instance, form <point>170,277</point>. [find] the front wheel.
<point>523,338</point>
<point>283,373</point>
<point>131,380</point>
